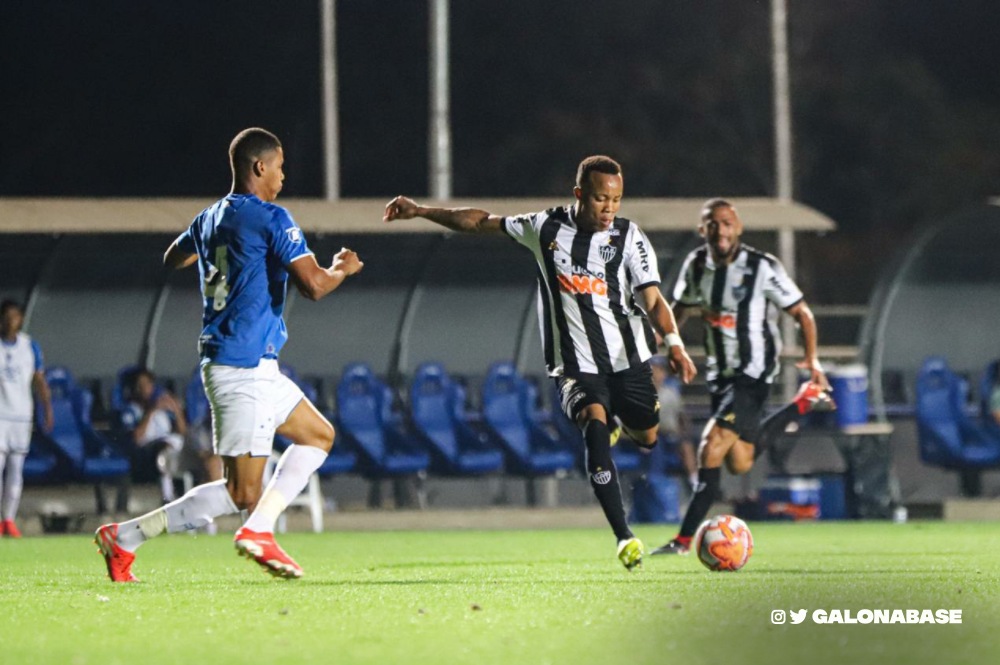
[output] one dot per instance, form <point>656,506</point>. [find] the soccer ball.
<point>723,543</point>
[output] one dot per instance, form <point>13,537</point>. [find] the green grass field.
<point>556,596</point>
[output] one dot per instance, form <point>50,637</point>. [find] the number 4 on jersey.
<point>217,280</point>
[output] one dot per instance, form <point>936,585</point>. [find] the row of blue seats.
<point>948,436</point>
<point>379,436</point>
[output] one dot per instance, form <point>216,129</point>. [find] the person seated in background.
<point>995,401</point>
<point>155,423</point>
<point>675,426</point>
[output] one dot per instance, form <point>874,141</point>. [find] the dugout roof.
<point>170,215</point>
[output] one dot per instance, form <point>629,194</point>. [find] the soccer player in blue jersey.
<point>246,248</point>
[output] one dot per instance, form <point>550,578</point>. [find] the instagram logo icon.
<point>777,616</point>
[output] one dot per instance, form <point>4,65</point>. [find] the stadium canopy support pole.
<point>331,131</point>
<point>43,277</point>
<point>783,162</point>
<point>147,356</point>
<point>440,114</point>
<point>401,346</point>
<point>524,334</point>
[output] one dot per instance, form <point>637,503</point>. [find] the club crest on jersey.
<point>294,235</point>
<point>602,477</point>
<point>608,252</point>
<point>739,292</point>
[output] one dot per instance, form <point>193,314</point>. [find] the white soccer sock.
<point>290,477</point>
<point>13,484</point>
<point>195,509</point>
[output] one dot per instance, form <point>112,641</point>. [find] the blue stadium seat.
<point>368,422</point>
<point>437,405</point>
<point>87,455</point>
<point>948,437</point>
<point>989,380</point>
<point>42,462</point>
<point>504,412</point>
<point>196,408</point>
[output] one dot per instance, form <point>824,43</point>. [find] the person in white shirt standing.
<point>22,378</point>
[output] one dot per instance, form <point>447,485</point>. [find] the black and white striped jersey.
<point>587,284</point>
<point>740,308</point>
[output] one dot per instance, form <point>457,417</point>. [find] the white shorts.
<point>15,436</point>
<point>248,405</point>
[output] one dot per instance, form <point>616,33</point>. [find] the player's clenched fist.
<point>347,261</point>
<point>400,207</point>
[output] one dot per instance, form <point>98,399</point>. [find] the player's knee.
<point>325,436</point>
<point>591,412</point>
<point>739,466</point>
<point>713,451</point>
<point>645,438</point>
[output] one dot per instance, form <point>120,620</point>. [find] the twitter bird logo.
<point>797,617</point>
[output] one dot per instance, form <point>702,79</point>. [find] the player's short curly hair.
<point>249,146</point>
<point>711,205</point>
<point>599,163</point>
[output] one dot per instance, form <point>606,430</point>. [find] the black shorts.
<point>738,404</point>
<point>628,394</point>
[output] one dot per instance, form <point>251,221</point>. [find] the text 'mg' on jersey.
<point>740,304</point>
<point>587,284</point>
<point>243,246</point>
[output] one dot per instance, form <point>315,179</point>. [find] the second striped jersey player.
<point>740,304</point>
<point>740,292</point>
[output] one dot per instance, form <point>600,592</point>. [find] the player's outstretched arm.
<point>807,322</point>
<point>177,258</point>
<point>465,220</point>
<point>314,282</point>
<point>662,318</point>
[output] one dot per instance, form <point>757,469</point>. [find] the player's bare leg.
<point>313,436</point>
<point>740,458</point>
<point>716,445</point>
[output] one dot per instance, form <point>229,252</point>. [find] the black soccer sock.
<point>774,426</point>
<point>604,477</point>
<point>704,495</point>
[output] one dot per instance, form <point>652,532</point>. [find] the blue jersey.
<point>243,246</point>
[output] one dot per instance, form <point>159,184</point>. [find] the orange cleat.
<point>812,397</point>
<point>262,548</point>
<point>10,529</point>
<point>119,560</point>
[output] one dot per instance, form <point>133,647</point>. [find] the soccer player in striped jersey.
<point>739,291</point>
<point>598,293</point>
<point>246,248</point>
<point>22,374</point>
